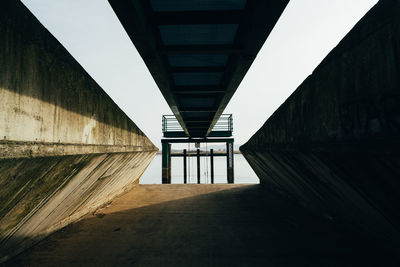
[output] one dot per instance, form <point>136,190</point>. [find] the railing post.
<point>163,124</point>
<point>229,157</point>
<point>184,166</point>
<point>198,165</point>
<point>212,165</point>
<point>166,163</point>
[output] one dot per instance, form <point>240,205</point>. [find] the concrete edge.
<point>22,149</point>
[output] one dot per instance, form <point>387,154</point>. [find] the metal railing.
<point>171,124</point>
<point>224,123</point>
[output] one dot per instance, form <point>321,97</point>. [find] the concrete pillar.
<point>212,165</point>
<point>198,166</point>
<point>184,166</point>
<point>229,163</point>
<point>166,163</point>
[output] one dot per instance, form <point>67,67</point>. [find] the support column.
<point>198,166</point>
<point>184,166</point>
<point>229,163</point>
<point>166,163</point>
<point>212,165</point>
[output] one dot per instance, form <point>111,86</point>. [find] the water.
<point>244,174</point>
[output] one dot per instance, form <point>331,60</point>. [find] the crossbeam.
<point>198,17</point>
<point>197,140</point>
<point>201,49</point>
<point>177,155</point>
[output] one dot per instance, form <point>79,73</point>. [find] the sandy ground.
<point>203,225</point>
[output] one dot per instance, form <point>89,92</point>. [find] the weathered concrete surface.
<point>204,225</point>
<point>334,144</point>
<point>66,147</point>
<point>48,98</point>
<point>41,195</point>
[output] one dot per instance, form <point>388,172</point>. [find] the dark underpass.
<point>328,158</point>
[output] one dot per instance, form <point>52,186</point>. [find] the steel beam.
<point>212,165</point>
<point>166,163</point>
<point>229,163</point>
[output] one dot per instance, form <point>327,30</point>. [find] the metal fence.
<point>171,124</point>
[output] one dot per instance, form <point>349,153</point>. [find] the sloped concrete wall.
<point>333,145</point>
<point>66,148</point>
<point>48,98</point>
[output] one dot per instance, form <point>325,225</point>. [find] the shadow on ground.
<point>232,226</point>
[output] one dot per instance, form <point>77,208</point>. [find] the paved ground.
<point>202,225</point>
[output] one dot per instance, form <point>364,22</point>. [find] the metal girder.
<point>181,60</point>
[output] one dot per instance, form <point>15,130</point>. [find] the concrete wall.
<point>66,148</point>
<point>334,144</point>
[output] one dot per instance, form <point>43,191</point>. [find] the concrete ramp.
<point>204,225</point>
<point>66,148</point>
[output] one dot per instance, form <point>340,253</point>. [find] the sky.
<point>305,33</point>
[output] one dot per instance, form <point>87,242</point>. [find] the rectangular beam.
<point>200,49</point>
<point>198,17</point>
<point>229,162</point>
<point>197,140</point>
<point>197,110</point>
<point>190,93</point>
<point>197,121</point>
<point>184,166</point>
<point>197,90</point>
<point>198,166</point>
<point>199,126</point>
<point>178,155</point>
<point>166,163</point>
<point>212,165</point>
<point>197,69</point>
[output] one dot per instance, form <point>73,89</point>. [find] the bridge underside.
<point>198,52</point>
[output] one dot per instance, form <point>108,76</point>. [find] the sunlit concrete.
<point>65,147</point>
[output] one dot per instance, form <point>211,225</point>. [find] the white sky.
<point>304,35</point>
